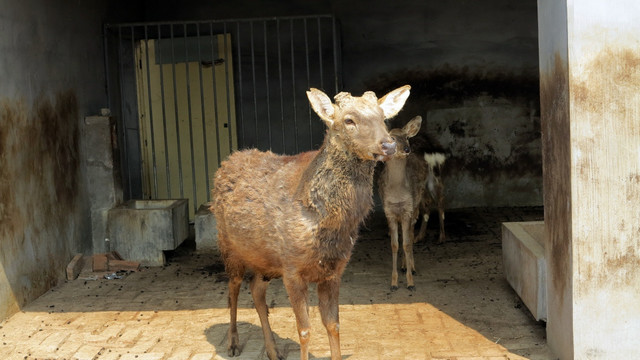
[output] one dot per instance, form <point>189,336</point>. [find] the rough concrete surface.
<point>462,307</point>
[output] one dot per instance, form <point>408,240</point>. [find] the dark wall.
<point>473,68</point>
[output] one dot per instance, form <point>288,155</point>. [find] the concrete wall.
<point>473,67</point>
<point>590,77</point>
<point>52,75</point>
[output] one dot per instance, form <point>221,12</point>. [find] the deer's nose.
<point>389,148</point>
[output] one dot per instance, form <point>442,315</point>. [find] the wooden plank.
<point>74,267</point>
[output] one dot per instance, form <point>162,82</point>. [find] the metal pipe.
<point>188,75</point>
<point>164,116</point>
<point>153,143</point>
<point>203,113</point>
<point>177,119</point>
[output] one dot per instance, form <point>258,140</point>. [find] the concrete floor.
<point>462,308</point>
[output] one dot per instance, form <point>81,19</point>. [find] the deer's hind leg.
<point>258,291</point>
<point>235,281</point>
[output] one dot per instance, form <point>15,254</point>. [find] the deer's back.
<point>259,221</point>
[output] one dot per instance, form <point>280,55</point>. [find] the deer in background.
<point>402,186</point>
<point>298,217</point>
<point>433,198</point>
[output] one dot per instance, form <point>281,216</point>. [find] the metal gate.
<point>186,94</point>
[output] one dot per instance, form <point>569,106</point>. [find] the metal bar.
<point>228,87</point>
<point>306,48</point>
<point>125,147</point>
<point>320,54</point>
<point>167,170</point>
<point>253,68</point>
<point>266,79</point>
<point>335,53</point>
<point>215,95</point>
<point>177,120</point>
<point>202,112</point>
<point>284,146</point>
<point>105,46</point>
<point>193,167</point>
<point>221,21</point>
<point>239,70</point>
<point>293,86</point>
<point>153,143</point>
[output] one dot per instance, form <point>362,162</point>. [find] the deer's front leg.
<point>407,246</point>
<point>328,292</point>
<point>393,234</point>
<point>297,290</point>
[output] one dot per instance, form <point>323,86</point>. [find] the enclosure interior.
<point>473,71</point>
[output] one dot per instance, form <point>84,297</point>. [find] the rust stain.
<point>39,180</point>
<point>556,153</point>
<point>610,69</point>
<point>607,91</point>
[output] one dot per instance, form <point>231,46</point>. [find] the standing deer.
<point>297,217</point>
<point>410,184</point>
<point>401,186</point>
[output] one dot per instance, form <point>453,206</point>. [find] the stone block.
<point>140,230</point>
<point>524,264</point>
<point>206,229</point>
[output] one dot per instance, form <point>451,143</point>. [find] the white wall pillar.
<point>590,107</point>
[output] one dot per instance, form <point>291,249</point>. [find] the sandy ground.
<point>462,307</point>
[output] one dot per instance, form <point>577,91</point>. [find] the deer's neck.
<point>337,186</point>
<point>395,171</point>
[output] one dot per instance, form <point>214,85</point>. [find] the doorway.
<point>186,112</point>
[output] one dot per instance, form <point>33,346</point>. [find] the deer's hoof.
<point>394,287</point>
<point>277,356</point>
<point>411,288</point>
<point>233,351</point>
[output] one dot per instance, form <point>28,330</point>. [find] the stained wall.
<point>590,82</point>
<point>52,75</point>
<point>473,68</point>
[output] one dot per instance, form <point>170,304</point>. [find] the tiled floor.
<point>462,307</point>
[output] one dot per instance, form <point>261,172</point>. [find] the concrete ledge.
<point>140,230</point>
<point>524,264</point>
<point>206,229</point>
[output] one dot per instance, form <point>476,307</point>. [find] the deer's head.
<point>402,135</point>
<point>357,123</point>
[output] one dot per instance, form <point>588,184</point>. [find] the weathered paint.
<point>52,73</point>
<point>605,98</point>
<point>39,158</point>
<point>556,159</point>
<point>590,96</point>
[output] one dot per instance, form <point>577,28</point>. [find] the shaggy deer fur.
<point>297,217</point>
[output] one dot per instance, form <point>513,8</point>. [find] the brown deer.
<point>401,186</point>
<point>410,184</point>
<point>297,217</point>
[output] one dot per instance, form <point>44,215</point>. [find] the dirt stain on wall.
<point>481,107</point>
<point>556,154</point>
<point>606,97</point>
<point>39,180</point>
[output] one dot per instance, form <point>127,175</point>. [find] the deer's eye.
<point>349,121</point>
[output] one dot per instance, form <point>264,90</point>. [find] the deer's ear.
<point>322,105</point>
<point>413,126</point>
<point>393,102</point>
